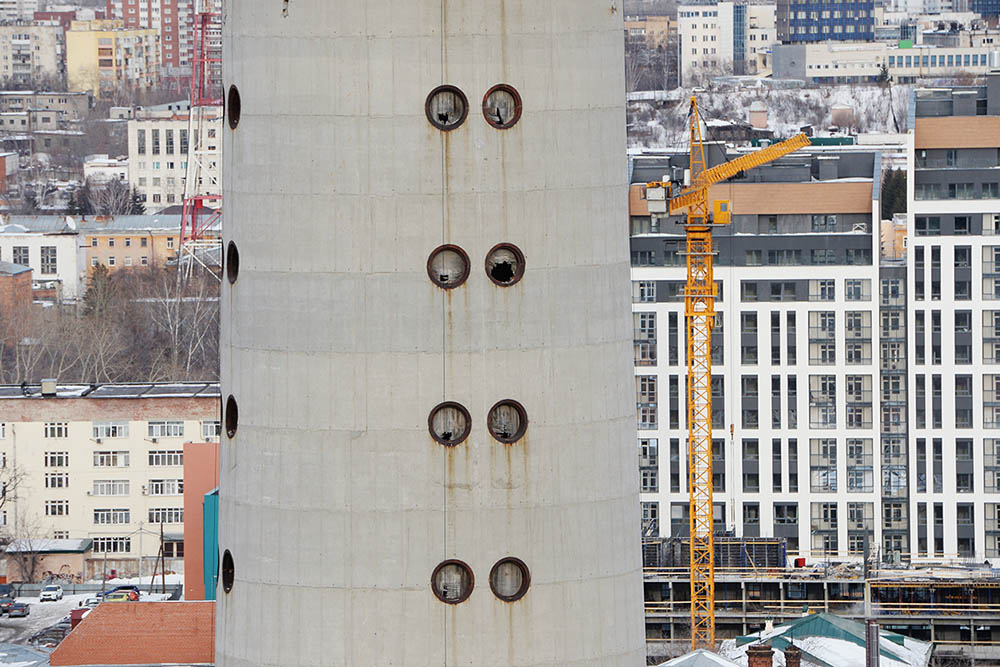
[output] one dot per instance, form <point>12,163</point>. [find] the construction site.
<point>957,607</point>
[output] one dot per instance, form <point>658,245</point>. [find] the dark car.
<point>5,604</point>
<point>124,588</point>
<point>19,609</point>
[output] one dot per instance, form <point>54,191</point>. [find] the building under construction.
<point>955,607</point>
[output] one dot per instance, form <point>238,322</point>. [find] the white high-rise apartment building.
<point>858,398</point>
<point>428,394</point>
<point>954,307</point>
<point>18,10</point>
<point>809,443</point>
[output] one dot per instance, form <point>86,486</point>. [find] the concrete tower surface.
<point>429,455</point>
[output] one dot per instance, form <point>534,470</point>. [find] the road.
<point>41,616</point>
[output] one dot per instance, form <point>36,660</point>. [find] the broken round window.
<point>507,421</point>
<point>505,264</point>
<point>446,107</point>
<point>452,582</point>
<point>450,423</point>
<point>502,106</point>
<point>510,579</point>
<point>448,266</point>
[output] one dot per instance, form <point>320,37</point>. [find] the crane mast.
<point>699,310</point>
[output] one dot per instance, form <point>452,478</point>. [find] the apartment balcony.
<point>859,333</point>
<point>894,524</point>
<point>867,524</point>
<point>822,334</point>
<point>893,398</point>
<point>960,163</point>
<point>863,397</point>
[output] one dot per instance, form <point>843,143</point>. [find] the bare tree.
<point>109,197</point>
<point>24,552</point>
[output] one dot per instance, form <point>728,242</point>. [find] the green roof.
<point>823,625</point>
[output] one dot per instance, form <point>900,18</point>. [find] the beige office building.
<point>103,462</point>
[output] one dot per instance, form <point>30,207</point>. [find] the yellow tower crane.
<point>699,306</point>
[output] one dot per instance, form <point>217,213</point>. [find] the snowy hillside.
<point>663,124</point>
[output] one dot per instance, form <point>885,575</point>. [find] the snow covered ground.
<point>41,615</point>
<point>664,124</point>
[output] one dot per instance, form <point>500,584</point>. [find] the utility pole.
<point>163,562</point>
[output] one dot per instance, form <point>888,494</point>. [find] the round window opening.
<point>452,582</point>
<point>232,417</point>
<point>446,107</point>
<point>232,262</point>
<point>510,579</point>
<point>233,106</point>
<point>450,424</point>
<point>507,421</point>
<point>502,106</point>
<point>448,266</point>
<point>505,264</point>
<point>228,571</point>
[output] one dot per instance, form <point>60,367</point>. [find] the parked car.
<point>19,609</point>
<point>120,596</point>
<point>51,593</point>
<point>5,604</point>
<point>89,602</point>
<point>124,587</point>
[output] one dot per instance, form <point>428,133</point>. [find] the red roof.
<point>141,633</point>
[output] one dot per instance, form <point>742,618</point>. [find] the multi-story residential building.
<point>954,307</point>
<point>18,10</point>
<point>68,106</point>
<point>653,31</point>
<point>50,246</point>
<point>33,53</point>
<point>857,397</point>
<point>104,57</point>
<point>831,62</point>
<point>158,146</point>
<point>126,241</point>
<point>723,38</point>
<point>825,20</point>
<point>104,462</point>
<point>171,18</point>
<point>804,449</point>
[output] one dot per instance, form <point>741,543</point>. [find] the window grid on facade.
<point>111,459</point>
<point>165,487</point>
<point>166,429</point>
<point>56,508</point>
<point>110,487</point>
<point>112,516</point>
<point>102,430</point>
<point>112,545</point>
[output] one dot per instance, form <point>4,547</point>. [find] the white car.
<point>51,593</point>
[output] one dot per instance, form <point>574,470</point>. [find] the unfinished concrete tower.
<point>429,454</point>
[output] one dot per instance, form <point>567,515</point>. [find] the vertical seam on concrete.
<point>444,326</point>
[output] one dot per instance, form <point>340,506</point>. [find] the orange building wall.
<point>201,475</point>
<point>15,294</point>
<point>160,246</point>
